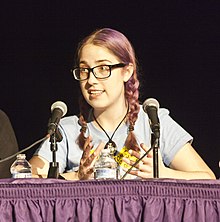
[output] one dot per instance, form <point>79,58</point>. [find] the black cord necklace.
<point>110,144</point>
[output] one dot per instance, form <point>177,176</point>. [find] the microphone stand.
<point>54,165</point>
<point>155,146</point>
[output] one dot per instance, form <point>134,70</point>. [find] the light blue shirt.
<point>172,138</point>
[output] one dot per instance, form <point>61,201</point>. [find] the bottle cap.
<point>21,156</point>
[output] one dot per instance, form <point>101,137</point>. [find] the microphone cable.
<point>25,149</point>
<point>134,164</point>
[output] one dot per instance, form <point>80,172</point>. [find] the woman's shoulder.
<point>70,120</point>
<point>162,112</point>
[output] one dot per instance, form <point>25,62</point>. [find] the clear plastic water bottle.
<point>21,168</point>
<point>106,167</point>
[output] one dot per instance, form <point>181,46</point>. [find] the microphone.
<point>151,106</point>
<point>58,110</point>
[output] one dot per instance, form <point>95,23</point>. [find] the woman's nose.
<point>92,79</point>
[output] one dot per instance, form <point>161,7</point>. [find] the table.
<point>113,200</point>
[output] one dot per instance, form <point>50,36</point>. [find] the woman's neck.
<point>110,118</point>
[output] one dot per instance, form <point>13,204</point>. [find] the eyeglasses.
<point>100,72</point>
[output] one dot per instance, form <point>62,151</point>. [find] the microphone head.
<point>59,105</point>
<point>150,102</point>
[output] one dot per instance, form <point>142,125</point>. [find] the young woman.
<point>110,113</point>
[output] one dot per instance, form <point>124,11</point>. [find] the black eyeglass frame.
<point>118,65</point>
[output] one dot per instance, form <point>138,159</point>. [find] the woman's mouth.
<point>95,92</point>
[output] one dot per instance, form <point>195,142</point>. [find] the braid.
<point>84,113</point>
<point>132,95</point>
<point>81,138</point>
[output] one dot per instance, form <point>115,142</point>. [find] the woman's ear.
<point>128,72</point>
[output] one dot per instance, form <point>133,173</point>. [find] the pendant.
<point>111,146</point>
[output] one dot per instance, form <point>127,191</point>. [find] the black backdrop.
<point>177,44</point>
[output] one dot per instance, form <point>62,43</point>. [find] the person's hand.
<point>88,159</point>
<point>144,168</point>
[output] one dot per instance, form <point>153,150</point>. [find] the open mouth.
<point>95,92</point>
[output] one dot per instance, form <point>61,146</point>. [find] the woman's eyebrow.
<point>98,61</point>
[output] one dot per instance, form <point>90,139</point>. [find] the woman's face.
<point>103,93</point>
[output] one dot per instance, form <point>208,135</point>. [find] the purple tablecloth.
<point>128,200</point>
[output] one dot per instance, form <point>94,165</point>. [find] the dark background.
<point>177,44</point>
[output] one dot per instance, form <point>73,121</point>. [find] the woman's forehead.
<point>96,53</point>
